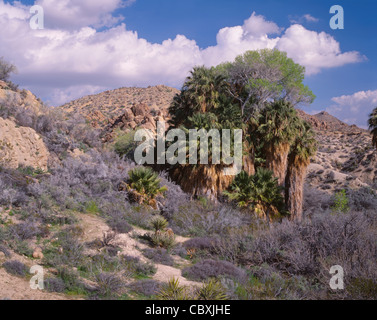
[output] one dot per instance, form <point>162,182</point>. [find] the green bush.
<point>341,202</point>
<point>125,145</point>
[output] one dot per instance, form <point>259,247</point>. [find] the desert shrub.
<point>11,196</point>
<point>75,182</point>
<point>108,284</point>
<point>119,224</point>
<point>147,287</point>
<point>310,248</point>
<point>208,268</point>
<point>137,267</point>
<point>363,289</point>
<point>271,287</point>
<point>362,199</point>
<point>163,239</point>
<point>15,268</point>
<point>72,281</point>
<point>173,198</point>
<point>103,262</point>
<point>202,243</point>
<point>54,285</point>
<point>4,250</point>
<point>159,255</point>
<point>315,201</point>
<point>91,207</point>
<point>26,230</point>
<point>21,247</point>
<point>66,250</point>
<point>198,219</point>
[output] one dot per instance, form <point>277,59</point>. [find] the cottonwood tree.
<point>265,75</point>
<point>6,69</point>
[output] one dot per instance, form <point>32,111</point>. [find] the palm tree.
<point>203,104</point>
<point>259,192</point>
<point>201,92</point>
<point>143,186</point>
<point>276,130</point>
<point>202,179</point>
<point>303,148</point>
<point>373,126</point>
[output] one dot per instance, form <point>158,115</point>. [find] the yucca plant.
<point>173,291</point>
<point>159,223</point>
<point>211,290</point>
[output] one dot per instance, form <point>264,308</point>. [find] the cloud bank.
<point>85,49</point>
<point>355,108</point>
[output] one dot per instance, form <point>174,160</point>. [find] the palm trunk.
<point>276,160</point>
<point>202,180</point>
<point>249,159</point>
<point>294,185</point>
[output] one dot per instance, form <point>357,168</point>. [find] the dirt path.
<point>94,227</point>
<point>14,288</point>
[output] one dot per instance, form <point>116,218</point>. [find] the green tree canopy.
<point>265,75</point>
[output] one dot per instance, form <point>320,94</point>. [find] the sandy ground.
<point>15,288</point>
<point>94,227</point>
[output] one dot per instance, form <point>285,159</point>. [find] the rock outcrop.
<point>21,146</point>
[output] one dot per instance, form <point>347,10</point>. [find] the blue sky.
<point>91,46</point>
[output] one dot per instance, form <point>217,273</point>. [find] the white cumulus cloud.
<point>355,108</point>
<point>315,51</point>
<point>71,57</point>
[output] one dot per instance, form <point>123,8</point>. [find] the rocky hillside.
<point>20,98</point>
<point>21,146</point>
<point>133,104</point>
<point>345,156</point>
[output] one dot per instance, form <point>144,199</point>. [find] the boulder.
<point>140,110</point>
<point>21,146</point>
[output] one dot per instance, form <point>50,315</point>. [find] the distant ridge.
<point>325,121</point>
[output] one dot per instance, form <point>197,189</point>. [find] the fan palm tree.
<point>276,130</point>
<point>143,186</point>
<point>202,179</point>
<point>259,192</point>
<point>373,126</point>
<point>201,92</point>
<point>203,104</point>
<point>303,148</point>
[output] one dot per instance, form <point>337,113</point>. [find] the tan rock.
<point>37,254</point>
<point>21,146</point>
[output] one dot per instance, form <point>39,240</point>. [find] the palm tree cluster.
<point>203,104</point>
<point>277,144</point>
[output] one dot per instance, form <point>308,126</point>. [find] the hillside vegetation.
<point>103,227</point>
